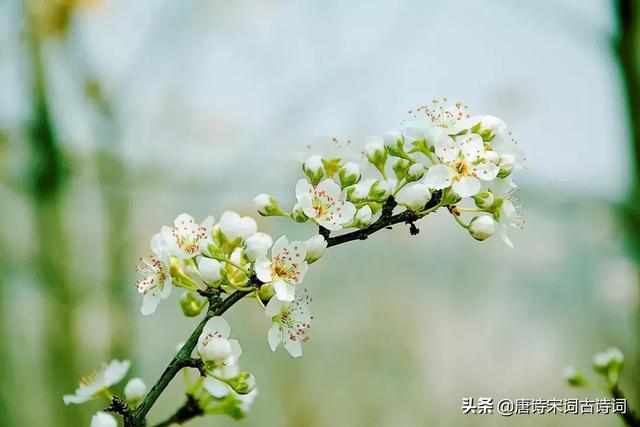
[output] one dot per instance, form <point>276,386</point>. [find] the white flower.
<point>324,203</point>
<point>257,245</point>
<point>509,214</point>
<point>219,389</point>
<point>210,269</point>
<point>214,345</point>
<point>135,389</point>
<point>98,381</point>
<point>413,196</point>
<point>493,126</point>
<point>313,164</point>
<point>482,227</point>
<point>364,216</point>
<point>291,321</point>
<point>233,226</point>
<point>464,163</point>
<point>155,284</point>
<point>416,171</point>
<point>102,419</point>
<point>608,358</point>
<point>286,268</point>
<point>316,246</point>
<point>187,238</point>
<point>349,174</point>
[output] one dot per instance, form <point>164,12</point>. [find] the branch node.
<point>413,229</point>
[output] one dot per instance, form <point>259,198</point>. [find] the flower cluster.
<point>444,157</point>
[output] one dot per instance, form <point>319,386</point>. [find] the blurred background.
<point>115,116</point>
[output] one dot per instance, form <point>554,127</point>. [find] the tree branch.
<point>217,307</point>
<point>630,418</point>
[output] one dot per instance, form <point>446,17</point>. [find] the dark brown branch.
<point>190,409</point>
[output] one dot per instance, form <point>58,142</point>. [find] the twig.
<point>217,307</point>
<point>630,418</point>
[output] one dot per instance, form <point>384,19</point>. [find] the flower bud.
<point>363,217</point>
<point>242,383</point>
<point>573,377</point>
<point>316,246</point>
<point>210,269</point>
<point>400,167</point>
<point>267,205</point>
<point>375,152</point>
<point>415,172</point>
<point>313,169</point>
<point>507,163</point>
<point>413,196</point>
<point>191,304</point>
<point>490,126</point>
<point>380,190</point>
<point>349,174</point>
<point>102,419</point>
<point>482,227</point>
<point>609,361</point>
<point>215,349</point>
<point>298,215</point>
<point>135,390</point>
<point>257,245</point>
<point>360,191</point>
<point>394,145</point>
<point>235,227</point>
<point>484,200</point>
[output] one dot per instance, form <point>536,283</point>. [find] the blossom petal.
<point>115,372</point>
<point>472,147</point>
<point>75,399</point>
<point>273,307</point>
<point>293,346</point>
<point>236,352</point>
<point>262,267</point>
<point>467,186</point>
<point>438,177</point>
<point>329,187</point>
<point>306,204</point>
<point>285,291</point>
<point>446,148</point>
<point>274,336</point>
<point>150,303</point>
<point>216,388</point>
<point>219,325</point>
<point>303,188</point>
<point>279,246</point>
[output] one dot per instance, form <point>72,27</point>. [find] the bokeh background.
<point>115,116</point>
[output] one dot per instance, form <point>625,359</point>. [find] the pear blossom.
<point>233,226</point>
<point>257,245</point>
<point>349,174</point>
<point>214,345</point>
<point>291,322</point>
<point>416,171</point>
<point>103,419</point>
<point>413,196</point>
<point>227,380</point>
<point>218,387</point>
<point>90,386</point>
<point>135,389</point>
<point>285,269</point>
<point>316,246</point>
<point>454,118</point>
<point>155,284</point>
<point>324,203</point>
<point>267,205</point>
<point>187,238</point>
<point>464,163</point>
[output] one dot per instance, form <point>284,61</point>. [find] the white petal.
<point>306,204</point>
<point>150,303</point>
<point>103,419</point>
<point>486,171</point>
<point>216,388</point>
<point>303,188</point>
<point>210,269</point>
<point>166,288</point>
<point>284,291</point>
<point>274,336</point>
<point>75,399</point>
<point>347,212</point>
<point>262,267</point>
<point>115,372</point>
<point>472,147</point>
<point>183,219</point>
<point>279,245</point>
<point>293,347</point>
<point>236,352</point>
<point>219,325</point>
<point>446,148</point>
<point>330,187</point>
<point>273,307</point>
<point>329,225</point>
<point>466,186</point>
<point>438,177</point>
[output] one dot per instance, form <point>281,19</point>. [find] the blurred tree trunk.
<point>627,48</point>
<point>52,253</point>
